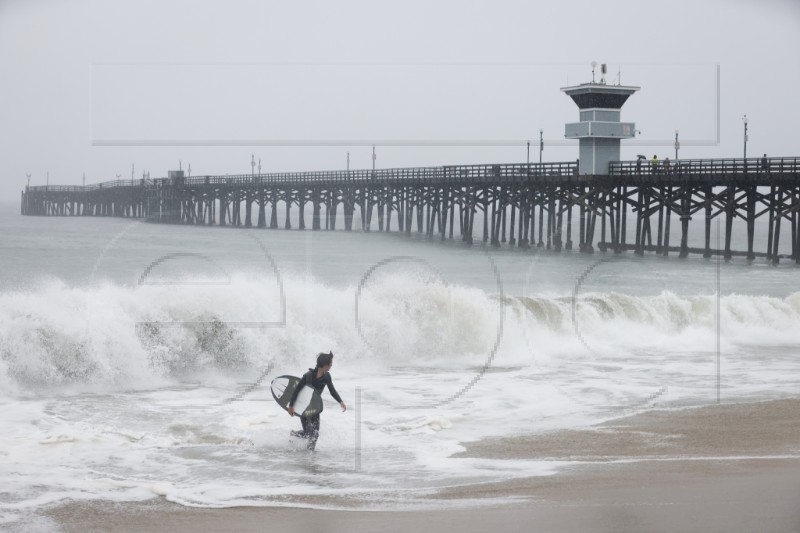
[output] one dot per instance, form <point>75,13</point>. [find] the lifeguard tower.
<point>600,131</point>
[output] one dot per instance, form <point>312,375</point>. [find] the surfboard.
<point>308,402</point>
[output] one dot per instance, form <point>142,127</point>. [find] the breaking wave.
<point>115,335</point>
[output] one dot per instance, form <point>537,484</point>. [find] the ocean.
<point>135,359</point>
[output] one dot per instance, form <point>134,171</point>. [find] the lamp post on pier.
<point>528,160</point>
<point>744,119</point>
<point>541,144</point>
<point>29,178</point>
<point>677,145</point>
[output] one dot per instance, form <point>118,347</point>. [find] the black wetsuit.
<point>311,423</point>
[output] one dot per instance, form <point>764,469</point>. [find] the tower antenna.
<point>594,64</point>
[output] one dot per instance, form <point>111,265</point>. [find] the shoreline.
<point>748,428</point>
<point>726,468</point>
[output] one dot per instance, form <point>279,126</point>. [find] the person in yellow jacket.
<point>654,164</point>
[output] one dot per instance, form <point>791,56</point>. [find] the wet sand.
<point>738,429</point>
<point>721,468</point>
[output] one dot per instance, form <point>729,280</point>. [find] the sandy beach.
<point>717,468</point>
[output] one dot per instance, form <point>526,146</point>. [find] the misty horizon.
<point>91,84</point>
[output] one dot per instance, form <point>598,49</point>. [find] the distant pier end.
<point>599,131</point>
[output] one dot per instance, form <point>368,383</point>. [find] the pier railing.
<point>513,172</point>
<point>106,185</point>
<point>706,167</point>
<point>499,173</point>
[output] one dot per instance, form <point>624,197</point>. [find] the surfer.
<point>317,378</point>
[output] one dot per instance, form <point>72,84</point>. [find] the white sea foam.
<point>105,397</point>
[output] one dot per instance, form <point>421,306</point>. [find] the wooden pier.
<point>544,205</point>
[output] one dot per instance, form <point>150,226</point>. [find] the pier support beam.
<point>248,207</point>
<point>708,218</point>
<point>730,212</point>
<point>685,218</point>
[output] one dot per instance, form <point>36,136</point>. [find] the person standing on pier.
<point>654,164</point>
<point>764,164</point>
<point>317,378</point>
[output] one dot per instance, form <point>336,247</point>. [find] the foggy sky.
<point>78,75</point>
